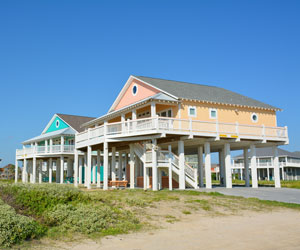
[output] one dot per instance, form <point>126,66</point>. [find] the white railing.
<point>45,150</point>
<point>184,126</point>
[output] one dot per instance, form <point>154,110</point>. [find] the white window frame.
<point>166,110</point>
<point>210,116</point>
<point>255,121</point>
<point>57,123</point>
<point>189,111</point>
<point>137,89</point>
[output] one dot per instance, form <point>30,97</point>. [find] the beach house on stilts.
<point>154,122</point>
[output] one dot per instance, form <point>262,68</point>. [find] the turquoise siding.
<point>101,174</point>
<point>53,127</point>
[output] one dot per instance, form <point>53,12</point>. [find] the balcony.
<point>182,127</point>
<point>43,150</point>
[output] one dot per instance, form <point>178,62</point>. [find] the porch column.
<point>120,166</point>
<point>62,141</point>
<point>69,167</point>
<point>98,169</point>
<point>222,168</point>
<point>228,165</point>
<point>34,170</point>
<point>113,164</point>
<point>46,146</point>
<point>207,165</point>
<point>50,170</point>
<point>181,165</point>
<point>276,167</point>
<point>153,109</point>
<point>62,165</point>
<point>89,167</point>
<point>131,166</point>
<point>145,172</point>
<point>57,166</point>
<point>282,172</point>
<point>29,170</point>
<point>85,169</point>
<point>136,169</point>
<point>51,145</point>
<point>80,169</point>
<point>268,174</point>
<point>40,170</point>
<point>123,123</point>
<point>133,117</point>
<point>105,167</point>
<point>200,166</point>
<point>159,176</point>
<point>16,171</point>
<point>154,164</point>
<point>253,166</point>
<point>170,168</point>
<point>76,168</point>
<point>94,170</point>
<point>246,167</point>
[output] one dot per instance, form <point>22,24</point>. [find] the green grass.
<point>61,211</point>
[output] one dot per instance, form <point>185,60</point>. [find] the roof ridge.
<point>75,115</point>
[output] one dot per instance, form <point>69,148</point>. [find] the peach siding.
<point>229,114</point>
<point>144,91</point>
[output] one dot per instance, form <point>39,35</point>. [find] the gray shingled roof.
<point>200,92</point>
<point>75,121</point>
<point>267,152</point>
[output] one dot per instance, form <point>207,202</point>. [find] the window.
<point>192,111</point>
<point>212,113</point>
<point>57,124</point>
<point>254,117</point>
<point>134,89</point>
<point>165,113</point>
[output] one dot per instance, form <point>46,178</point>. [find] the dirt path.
<point>263,230</point>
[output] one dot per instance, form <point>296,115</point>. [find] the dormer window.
<point>134,89</point>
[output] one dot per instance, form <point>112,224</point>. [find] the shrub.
<point>90,218</point>
<point>38,198</point>
<point>15,228</point>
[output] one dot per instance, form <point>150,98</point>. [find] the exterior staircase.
<point>164,160</point>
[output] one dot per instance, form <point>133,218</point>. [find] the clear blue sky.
<point>74,56</point>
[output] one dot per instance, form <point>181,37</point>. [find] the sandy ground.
<point>255,230</point>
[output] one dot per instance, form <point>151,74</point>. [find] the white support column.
<point>46,146</point>
<point>85,168</point>
<point>30,170</point>
<point>153,109</point>
<point>120,166</point>
<point>51,145</point>
<point>144,168</point>
<point>154,164</point>
<point>80,169</point>
<point>40,171</point>
<point>94,169</point>
<point>253,166</point>
<point>268,174</point>
<point>200,166</point>
<point>89,167</point>
<point>282,173</point>
<point>207,165</point>
<point>62,165</point>
<point>181,165</point>
<point>16,171</point>
<point>33,170</point>
<point>133,117</point>
<point>105,167</point>
<point>131,166</point>
<point>228,165</point>
<point>50,170</point>
<point>123,123</point>
<point>159,176</point>
<point>246,167</point>
<point>276,167</point>
<point>113,164</point>
<point>222,168</point>
<point>76,168</point>
<point>98,169</point>
<point>170,168</point>
<point>62,142</point>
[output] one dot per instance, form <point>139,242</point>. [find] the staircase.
<point>163,157</point>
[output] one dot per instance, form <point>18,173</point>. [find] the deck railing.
<point>184,126</point>
<point>45,150</point>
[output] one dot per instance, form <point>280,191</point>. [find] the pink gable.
<point>143,91</point>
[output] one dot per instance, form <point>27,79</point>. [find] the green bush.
<point>39,198</point>
<point>90,218</point>
<point>15,228</point>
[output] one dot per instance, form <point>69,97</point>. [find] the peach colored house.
<point>153,123</point>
